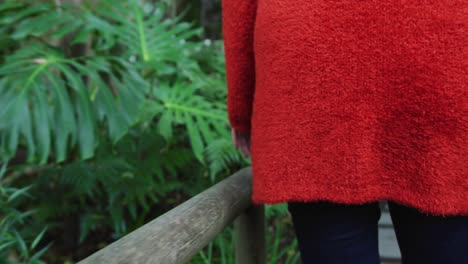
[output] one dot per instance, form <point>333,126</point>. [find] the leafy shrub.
<point>14,245</point>
<point>112,113</point>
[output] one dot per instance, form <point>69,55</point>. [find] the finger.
<point>247,147</point>
<point>244,146</point>
<point>234,137</point>
<point>246,152</point>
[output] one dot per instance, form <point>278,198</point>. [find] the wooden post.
<point>250,236</point>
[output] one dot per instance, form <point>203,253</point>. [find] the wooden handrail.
<point>179,234</point>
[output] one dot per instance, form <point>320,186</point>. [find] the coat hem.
<point>422,207</point>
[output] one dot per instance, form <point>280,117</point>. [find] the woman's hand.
<point>241,140</point>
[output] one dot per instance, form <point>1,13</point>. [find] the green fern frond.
<point>156,40</point>
<point>221,155</point>
<point>184,106</point>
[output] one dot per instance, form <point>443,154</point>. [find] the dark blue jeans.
<point>333,233</point>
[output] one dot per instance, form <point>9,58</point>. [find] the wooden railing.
<point>179,234</point>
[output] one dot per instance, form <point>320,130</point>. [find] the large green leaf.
<point>61,102</point>
<point>184,106</point>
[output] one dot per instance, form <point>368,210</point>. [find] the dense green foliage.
<point>112,113</point>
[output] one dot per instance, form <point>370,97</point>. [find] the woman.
<point>346,103</point>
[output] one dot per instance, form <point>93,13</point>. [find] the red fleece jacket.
<point>352,101</point>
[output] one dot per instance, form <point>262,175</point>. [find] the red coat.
<point>352,101</point>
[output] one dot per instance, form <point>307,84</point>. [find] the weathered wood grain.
<point>179,234</point>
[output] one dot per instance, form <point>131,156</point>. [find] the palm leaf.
<point>184,106</point>
<point>50,93</point>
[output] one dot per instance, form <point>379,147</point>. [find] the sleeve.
<point>238,19</point>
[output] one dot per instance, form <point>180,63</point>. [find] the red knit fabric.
<point>352,101</point>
